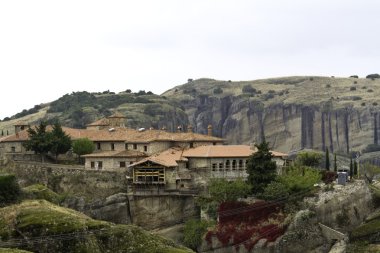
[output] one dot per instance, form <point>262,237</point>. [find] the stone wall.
<point>71,180</point>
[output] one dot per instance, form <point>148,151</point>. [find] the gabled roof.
<point>167,158</point>
<point>224,151</point>
<point>115,154</point>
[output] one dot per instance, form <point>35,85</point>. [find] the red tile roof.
<point>224,151</point>
<point>123,135</point>
<point>115,154</point>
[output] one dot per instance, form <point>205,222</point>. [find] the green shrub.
<point>218,90</point>
<point>374,104</point>
<point>193,233</point>
<point>275,190</point>
<point>310,159</point>
<point>300,178</point>
<point>369,90</point>
<point>9,189</point>
<point>354,76</point>
<point>371,148</point>
<point>328,85</point>
<point>373,76</point>
<point>221,190</point>
<point>352,88</point>
<point>248,89</point>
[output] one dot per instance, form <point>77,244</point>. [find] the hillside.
<point>290,112</point>
<point>81,108</point>
<point>39,226</point>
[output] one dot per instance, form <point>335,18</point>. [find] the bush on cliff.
<point>9,189</point>
<point>193,232</point>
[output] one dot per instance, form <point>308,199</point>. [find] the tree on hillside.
<point>61,142</point>
<point>355,169</point>
<point>327,159</point>
<point>40,141</point>
<point>82,147</point>
<point>335,164</point>
<point>260,168</point>
<point>309,159</point>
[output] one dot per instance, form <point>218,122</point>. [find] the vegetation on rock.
<point>65,230</point>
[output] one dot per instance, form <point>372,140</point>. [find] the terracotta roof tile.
<point>111,154</point>
<point>224,151</point>
<point>124,134</point>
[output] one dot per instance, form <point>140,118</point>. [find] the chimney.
<point>209,130</point>
<point>253,147</point>
<point>179,129</point>
<point>190,129</point>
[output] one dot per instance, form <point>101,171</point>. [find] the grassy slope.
<point>297,89</point>
<point>36,218</point>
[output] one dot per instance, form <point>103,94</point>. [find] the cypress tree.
<point>351,168</point>
<point>260,168</point>
<point>355,168</point>
<point>2,132</point>
<point>327,158</point>
<point>335,164</point>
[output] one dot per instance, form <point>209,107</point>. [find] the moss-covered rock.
<point>60,229</point>
<point>39,191</point>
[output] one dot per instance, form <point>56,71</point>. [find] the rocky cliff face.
<point>290,113</point>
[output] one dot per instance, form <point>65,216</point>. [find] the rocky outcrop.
<point>342,209</point>
<point>301,115</point>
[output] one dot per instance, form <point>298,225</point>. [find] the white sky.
<point>50,48</point>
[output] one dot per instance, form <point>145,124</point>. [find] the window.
<point>112,146</point>
<point>98,145</point>
<point>214,167</point>
<point>214,143</point>
<point>100,165</point>
<point>233,164</point>
<point>227,163</point>
<point>13,149</point>
<point>92,165</point>
<point>134,146</point>
<point>122,164</point>
<point>240,163</point>
<point>126,146</point>
<point>145,148</point>
<point>130,162</point>
<point>191,145</point>
<point>220,165</point>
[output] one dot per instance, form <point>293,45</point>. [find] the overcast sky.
<point>50,48</point>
